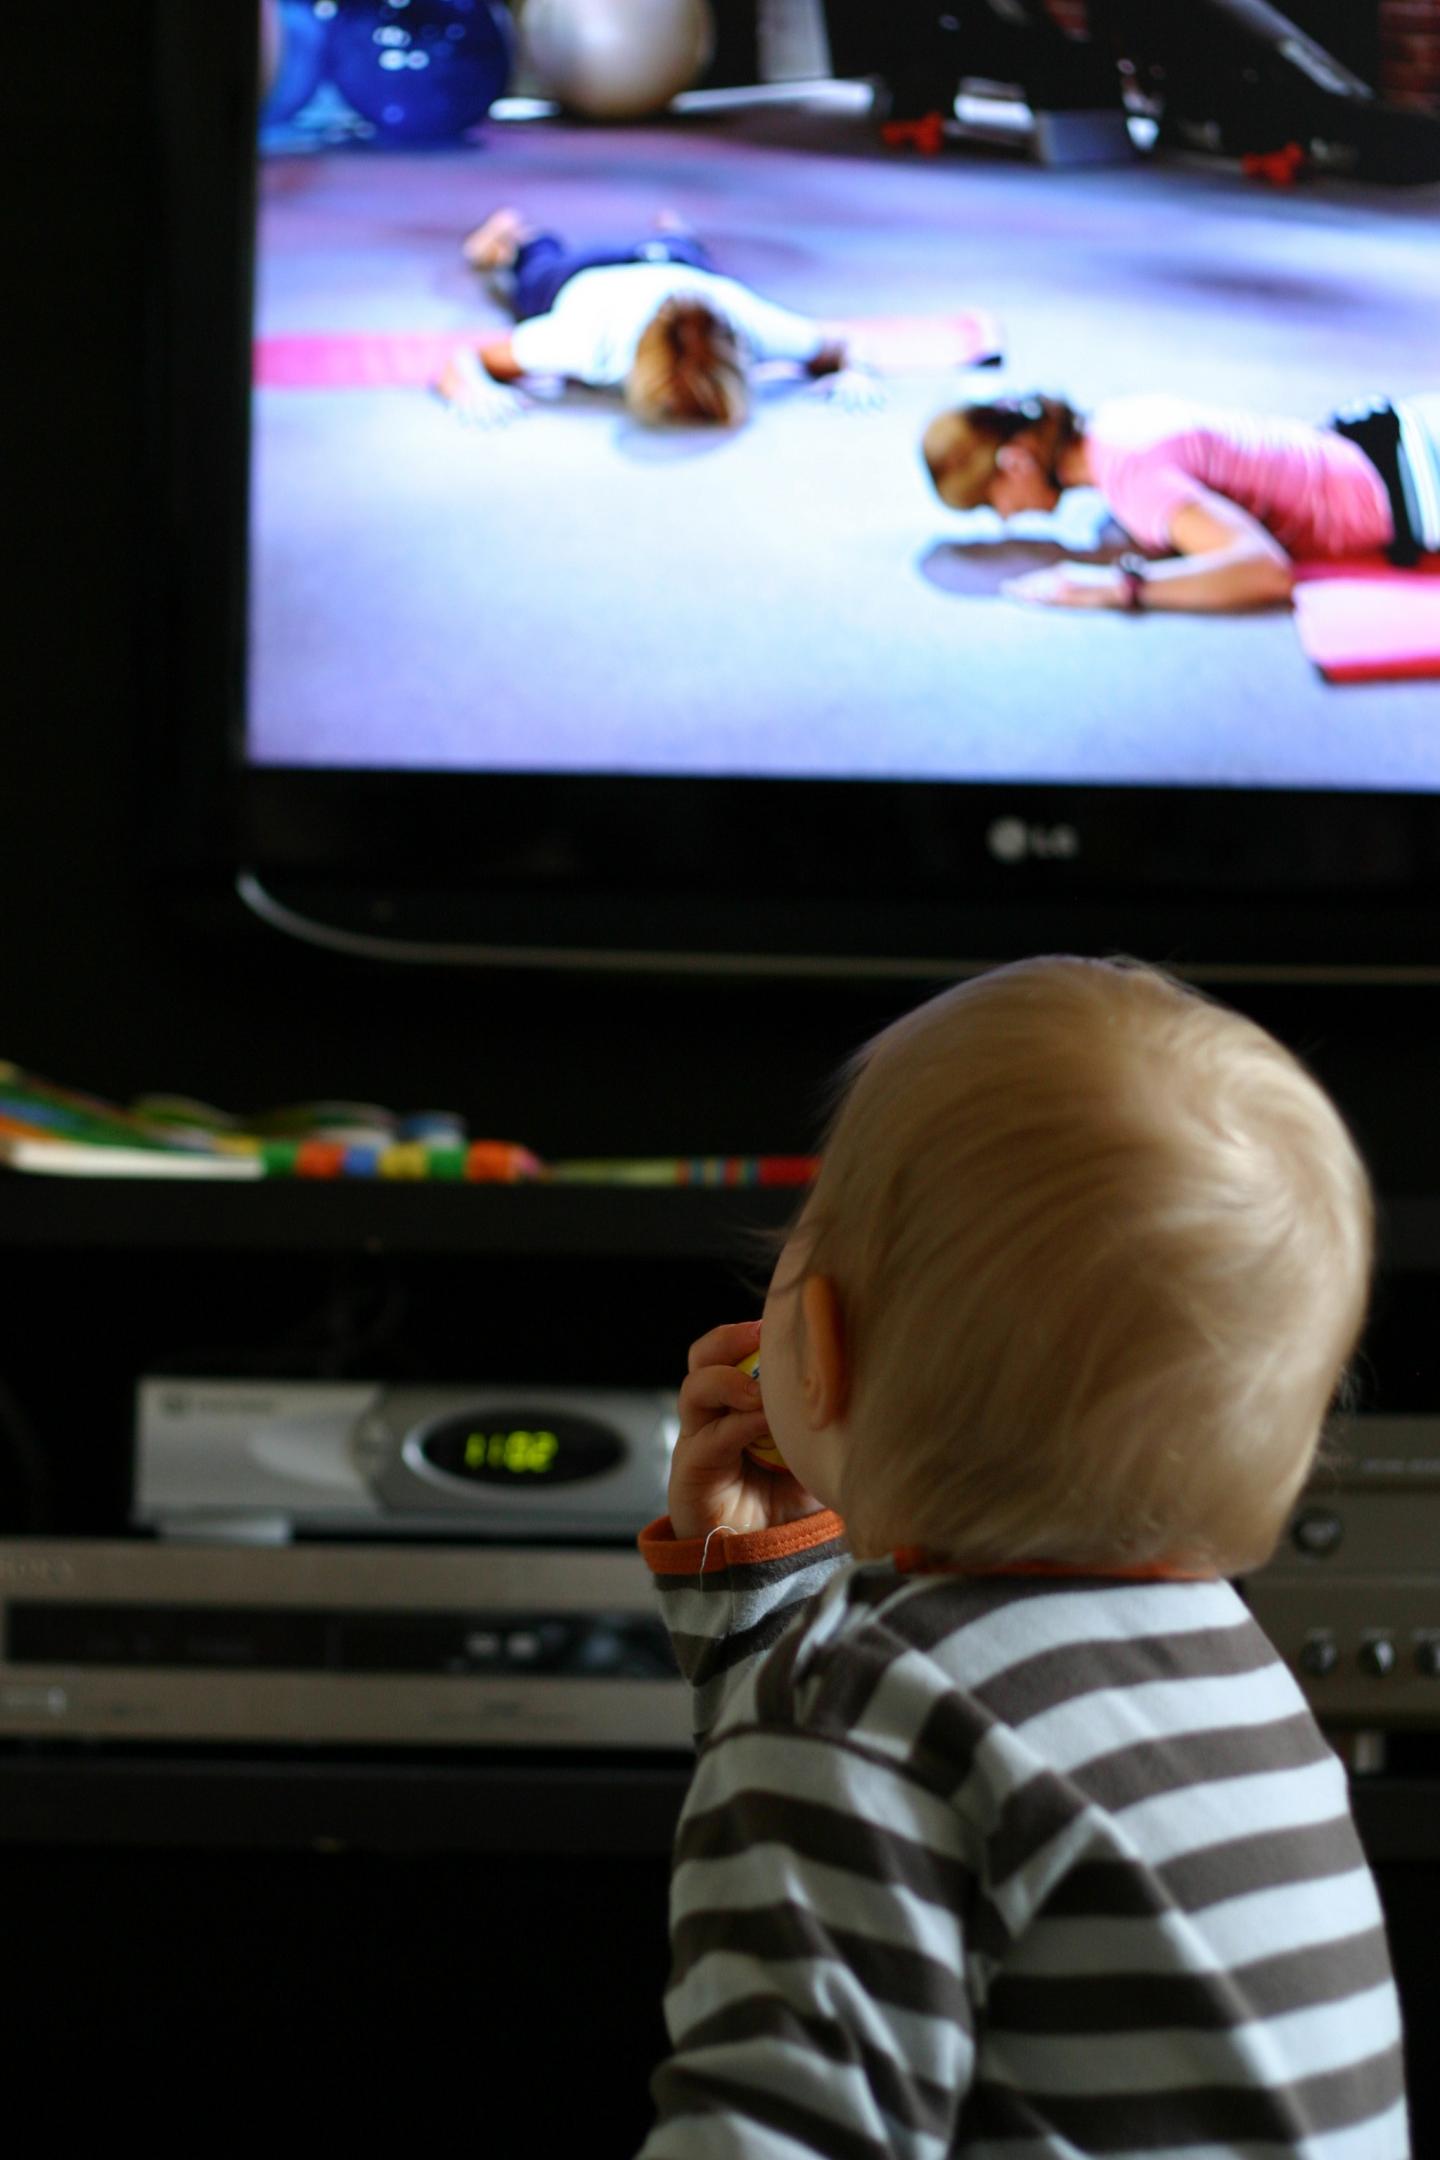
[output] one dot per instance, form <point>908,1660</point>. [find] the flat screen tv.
<point>456,662</point>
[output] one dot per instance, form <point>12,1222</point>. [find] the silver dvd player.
<point>263,1459</point>
<point>335,1645</point>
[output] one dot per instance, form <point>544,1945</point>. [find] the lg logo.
<point>1010,839</point>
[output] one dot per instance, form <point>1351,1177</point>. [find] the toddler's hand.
<point>476,400</point>
<point>856,390</point>
<point>712,1479</point>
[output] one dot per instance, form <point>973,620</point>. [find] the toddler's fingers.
<point>724,1345</point>
<point>719,1445</point>
<point>712,1393</point>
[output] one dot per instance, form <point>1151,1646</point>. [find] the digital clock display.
<point>516,1450</point>
<point>520,1447</point>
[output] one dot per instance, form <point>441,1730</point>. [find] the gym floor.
<point>572,592</point>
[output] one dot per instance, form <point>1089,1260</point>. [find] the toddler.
<point>1010,1833</point>
<point>652,316</point>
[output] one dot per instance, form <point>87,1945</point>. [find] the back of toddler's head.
<point>1102,1249</point>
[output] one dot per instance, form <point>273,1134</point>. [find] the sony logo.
<point>1010,840</point>
<point>35,1571</point>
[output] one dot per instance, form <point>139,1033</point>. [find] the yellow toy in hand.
<point>761,1451</point>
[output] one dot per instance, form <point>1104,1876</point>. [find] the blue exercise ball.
<point>421,70</point>
<point>294,42</point>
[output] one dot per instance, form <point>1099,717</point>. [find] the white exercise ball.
<point>617,59</point>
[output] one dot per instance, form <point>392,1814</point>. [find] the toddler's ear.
<point>825,1368</point>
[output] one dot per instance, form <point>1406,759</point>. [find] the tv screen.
<point>885,504</point>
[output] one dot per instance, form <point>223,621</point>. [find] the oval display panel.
<point>530,1447</point>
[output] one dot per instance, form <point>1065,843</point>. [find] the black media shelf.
<point>679,1222</point>
<point>581,1805</point>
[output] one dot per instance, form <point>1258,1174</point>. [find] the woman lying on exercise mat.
<point>652,317</point>
<point>1232,500</point>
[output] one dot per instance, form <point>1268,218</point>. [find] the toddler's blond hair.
<point>687,367</point>
<point>1103,1250</point>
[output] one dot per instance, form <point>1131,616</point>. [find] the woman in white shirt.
<point>653,318</point>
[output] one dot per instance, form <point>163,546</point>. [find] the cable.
<point>368,945</point>
<point>424,952</point>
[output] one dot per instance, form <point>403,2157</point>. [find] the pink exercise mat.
<point>410,360</point>
<point>1366,621</point>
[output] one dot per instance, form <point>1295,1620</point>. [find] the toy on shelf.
<point>45,1127</point>
<point>686,1170</point>
<point>61,1131</point>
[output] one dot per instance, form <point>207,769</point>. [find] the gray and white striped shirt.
<point>1015,1866</point>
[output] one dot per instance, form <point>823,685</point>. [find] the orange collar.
<point>915,1560</point>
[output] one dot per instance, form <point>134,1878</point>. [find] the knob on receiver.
<point>1316,1531</point>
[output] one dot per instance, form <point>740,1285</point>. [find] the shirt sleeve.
<point>818,2001</point>
<point>771,332</point>
<point>542,346</point>
<point>728,1597</point>
<point>1146,493</point>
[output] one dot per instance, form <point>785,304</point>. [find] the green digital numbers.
<point>520,1453</point>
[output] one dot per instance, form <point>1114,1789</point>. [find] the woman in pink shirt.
<point>1229,501</point>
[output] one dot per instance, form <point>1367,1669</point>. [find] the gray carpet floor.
<point>573,593</point>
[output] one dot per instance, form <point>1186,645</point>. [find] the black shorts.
<point>1401,438</point>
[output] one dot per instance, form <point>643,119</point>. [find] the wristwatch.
<point>1135,570</point>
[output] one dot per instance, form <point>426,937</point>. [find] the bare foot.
<point>492,245</point>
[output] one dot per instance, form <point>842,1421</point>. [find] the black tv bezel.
<point>849,875</point>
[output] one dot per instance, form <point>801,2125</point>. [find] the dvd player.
<point>335,1645</point>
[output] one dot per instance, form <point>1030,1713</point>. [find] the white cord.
<point>729,1529</point>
